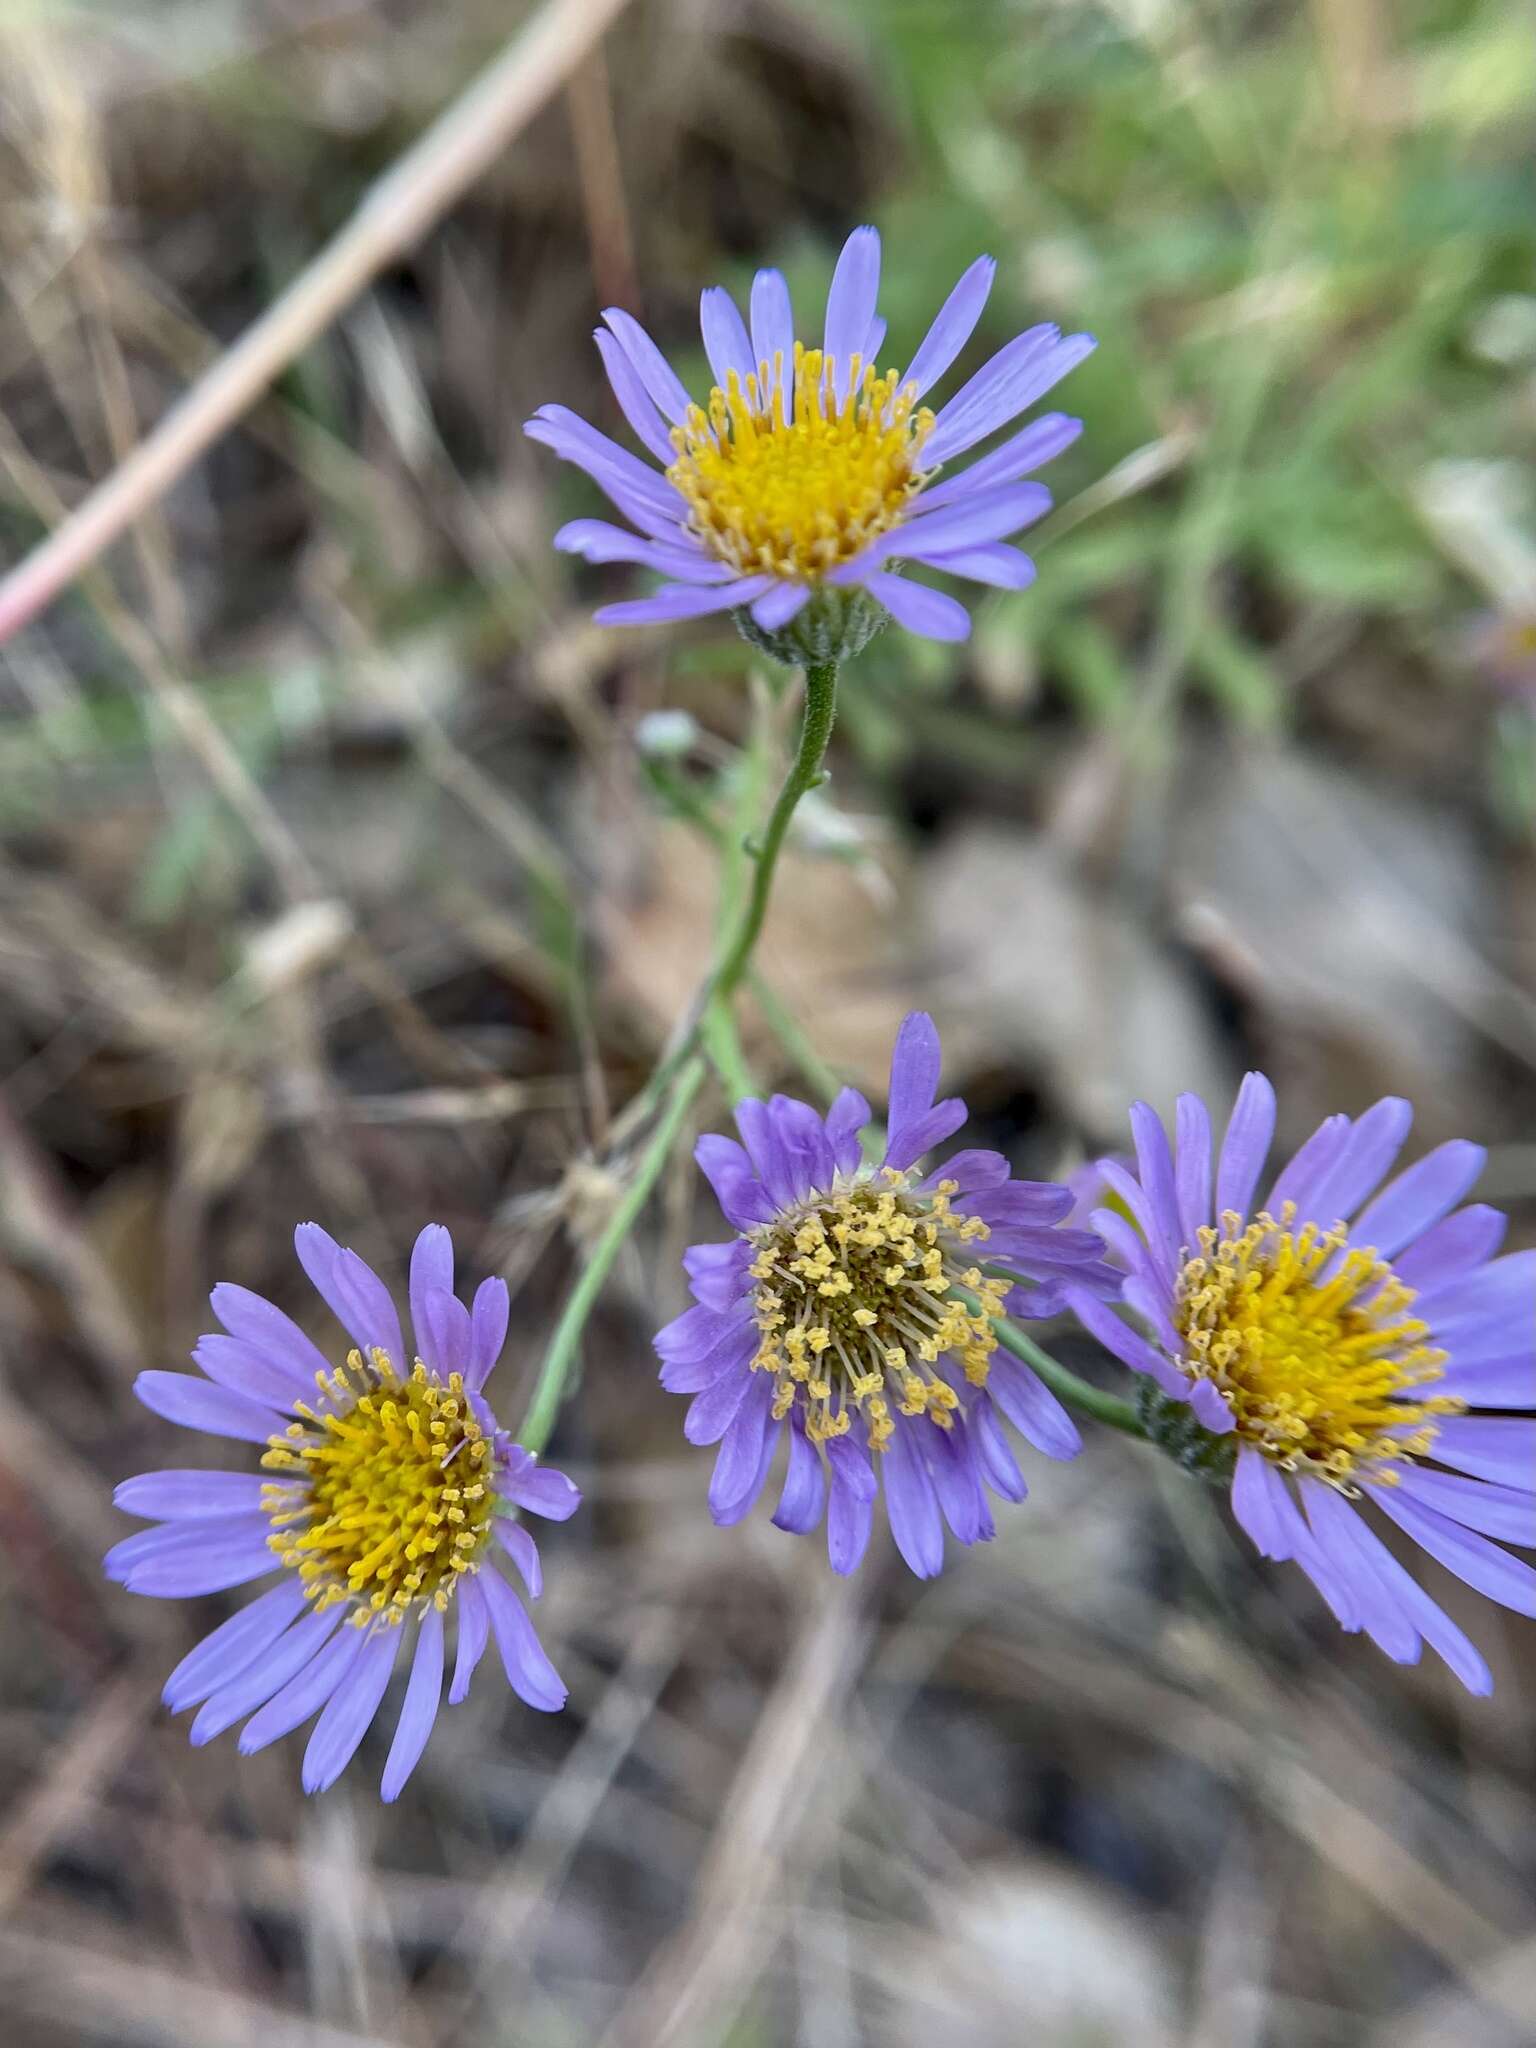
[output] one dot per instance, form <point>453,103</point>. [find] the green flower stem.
<point>723,1044</point>
<point>804,775</point>
<point>735,953</point>
<point>564,1345</point>
<point>1067,1386</point>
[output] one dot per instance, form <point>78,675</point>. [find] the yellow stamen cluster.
<point>856,1305</point>
<point>794,491</point>
<point>398,1503</point>
<point>1312,1347</point>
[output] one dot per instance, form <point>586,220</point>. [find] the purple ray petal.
<point>1154,1168</point>
<point>474,1627</point>
<point>1152,1305</point>
<point>784,602</point>
<point>726,341</point>
<point>524,1553</point>
<point>851,301</point>
<point>1310,1166</point>
<point>1210,1410</point>
<point>771,1161</point>
<point>205,1557</point>
<point>182,1495</point>
<point>970,521</point>
<point>731,1354</point>
<point>1343,1538</point>
<point>700,1334</point>
<point>542,1489</point>
<point>804,1142</point>
<point>577,440</point>
<point>740,1456</point>
<point>1001,389</point>
<point>598,540</point>
<point>488,1331</point>
<point>675,601</point>
<point>1032,1408</point>
<point>1429,1189</point>
<point>979,1172</point>
<point>266,1676</point>
<point>1000,566</point>
<point>352,1291</point>
<point>431,1273</point>
<point>1192,1126</point>
<point>1508,1382</point>
<point>1472,1558</point>
<point>261,1324</point>
<point>1374,1143</point>
<point>650,365</point>
<point>728,1170</point>
<point>418,1713</point>
<point>197,1404</point>
<point>1264,1508</point>
<point>912,1506</point>
<point>914,606</point>
<point>953,326</point>
<point>717,1273</point>
<point>1000,1468</point>
<point>954,1467</point>
<point>529,1672</point>
<point>915,1066</point>
<point>846,1119</point>
<point>1040,442</point>
<point>1503,1291</point>
<point>304,1694</point>
<point>729,1513</point>
<point>1488,1448</point>
<point>711,1413</point>
<point>1507,1513</point>
<point>230,1362</point>
<point>348,1713</point>
<point>444,1335</point>
<point>635,402</point>
<point>850,1514</point>
<point>1244,1149</point>
<point>233,1646</point>
<point>773,331</point>
<point>1452,1247</point>
<point>805,1485</point>
<point>1152,1251</point>
<point>1435,1626</point>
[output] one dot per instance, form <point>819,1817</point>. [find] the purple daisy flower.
<point>808,474</point>
<point>835,1318</point>
<point>387,1492</point>
<point>1342,1344</point>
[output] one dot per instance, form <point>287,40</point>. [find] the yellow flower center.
<point>795,496</point>
<point>856,1305</point>
<point>1312,1347</point>
<point>397,1504</point>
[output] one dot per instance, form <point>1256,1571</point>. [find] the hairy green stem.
<point>805,773</point>
<point>735,955</point>
<point>564,1345</point>
<point>722,1042</point>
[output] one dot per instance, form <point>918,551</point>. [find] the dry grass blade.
<point>401,207</point>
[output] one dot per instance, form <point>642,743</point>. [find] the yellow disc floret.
<point>398,1503</point>
<point>791,486</point>
<point>857,1303</point>
<point>1312,1346</point>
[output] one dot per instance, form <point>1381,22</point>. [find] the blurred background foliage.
<point>346,870</point>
